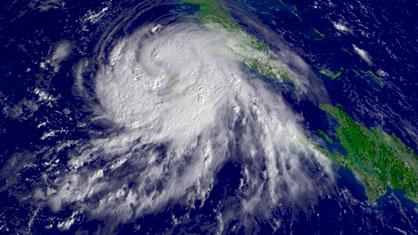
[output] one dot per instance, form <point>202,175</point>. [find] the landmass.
<point>331,74</point>
<point>375,77</point>
<point>249,50</point>
<point>325,136</point>
<point>380,160</point>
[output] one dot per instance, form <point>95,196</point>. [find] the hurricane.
<point>185,106</point>
<point>205,117</point>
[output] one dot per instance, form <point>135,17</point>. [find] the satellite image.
<point>209,117</point>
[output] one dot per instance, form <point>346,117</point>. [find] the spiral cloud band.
<point>185,106</point>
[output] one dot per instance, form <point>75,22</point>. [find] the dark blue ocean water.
<point>386,29</point>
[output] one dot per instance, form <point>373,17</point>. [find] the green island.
<point>211,12</point>
<point>380,160</point>
<point>325,136</point>
<point>247,48</point>
<point>331,74</point>
<point>371,74</point>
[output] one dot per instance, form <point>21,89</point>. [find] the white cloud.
<point>60,53</point>
<point>342,28</point>
<point>363,55</point>
<point>94,17</point>
<point>184,102</point>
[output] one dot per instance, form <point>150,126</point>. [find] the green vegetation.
<point>267,69</point>
<point>378,79</point>
<point>251,51</point>
<point>211,12</point>
<point>331,74</point>
<point>379,159</point>
<point>325,136</point>
<point>259,66</point>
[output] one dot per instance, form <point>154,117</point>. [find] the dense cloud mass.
<point>185,106</point>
